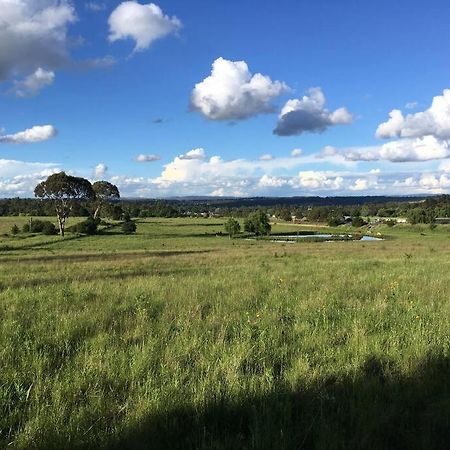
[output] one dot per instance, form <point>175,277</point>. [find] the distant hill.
<point>292,201</point>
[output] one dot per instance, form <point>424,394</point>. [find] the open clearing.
<point>177,338</point>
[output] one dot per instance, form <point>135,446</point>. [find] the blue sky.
<point>125,91</point>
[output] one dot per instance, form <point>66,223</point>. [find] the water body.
<point>324,236</point>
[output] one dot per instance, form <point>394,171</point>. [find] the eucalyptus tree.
<point>104,192</point>
<point>64,191</point>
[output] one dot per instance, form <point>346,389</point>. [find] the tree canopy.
<point>104,191</point>
<point>257,223</point>
<point>64,190</point>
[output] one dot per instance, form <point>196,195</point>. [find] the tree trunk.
<point>97,211</point>
<point>61,223</point>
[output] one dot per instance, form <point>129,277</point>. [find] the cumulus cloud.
<point>403,150</point>
<point>296,152</point>
<point>426,183</point>
<point>196,153</point>
<point>309,115</point>
<point>434,121</point>
<point>33,34</point>
<point>100,170</point>
<point>37,133</point>
<point>231,92</point>
<point>267,181</point>
<point>319,180</point>
<point>266,157</point>
<point>147,158</point>
<point>32,84</point>
<point>142,23</point>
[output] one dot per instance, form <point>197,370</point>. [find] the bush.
<point>88,226</point>
<point>39,226</point>
<point>49,229</point>
<point>129,227</point>
<point>334,221</point>
<point>232,227</point>
<point>358,221</point>
<point>14,230</point>
<point>390,223</point>
<point>257,223</point>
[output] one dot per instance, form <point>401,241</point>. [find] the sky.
<point>227,97</point>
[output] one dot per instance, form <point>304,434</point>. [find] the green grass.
<point>176,338</point>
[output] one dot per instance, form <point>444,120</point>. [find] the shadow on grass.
<point>41,244</point>
<point>110,256</point>
<point>377,409</point>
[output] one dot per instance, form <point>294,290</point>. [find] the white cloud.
<point>37,133</point>
<point>231,92</point>
<point>327,151</point>
<point>143,23</point>
<point>95,6</point>
<point>266,157</point>
<point>403,150</point>
<point>267,181</point>
<point>196,153</point>
<point>100,170</point>
<point>426,183</point>
<point>322,180</point>
<point>309,115</point>
<point>19,178</point>
<point>411,105</point>
<point>147,158</point>
<point>33,83</point>
<point>33,34</point>
<point>434,121</point>
<point>361,184</point>
<point>296,152</point>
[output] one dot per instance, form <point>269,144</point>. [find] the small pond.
<point>323,237</point>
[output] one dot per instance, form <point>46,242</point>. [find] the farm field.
<point>178,338</point>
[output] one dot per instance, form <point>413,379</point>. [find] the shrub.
<point>36,226</point>
<point>390,223</point>
<point>88,226</point>
<point>334,221</point>
<point>14,230</point>
<point>48,229</point>
<point>358,221</point>
<point>232,227</point>
<point>257,223</point>
<point>39,226</point>
<point>129,227</point>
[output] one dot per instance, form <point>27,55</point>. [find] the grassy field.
<point>178,338</point>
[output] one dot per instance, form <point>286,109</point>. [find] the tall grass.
<point>174,338</point>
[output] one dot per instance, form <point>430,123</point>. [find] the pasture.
<point>178,338</point>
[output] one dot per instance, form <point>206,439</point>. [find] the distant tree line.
<point>416,210</point>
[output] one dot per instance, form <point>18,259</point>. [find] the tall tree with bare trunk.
<point>64,190</point>
<point>104,192</point>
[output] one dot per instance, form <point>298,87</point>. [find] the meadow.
<point>178,338</point>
